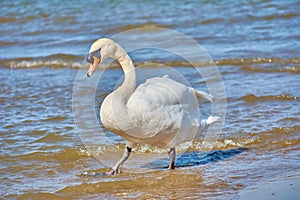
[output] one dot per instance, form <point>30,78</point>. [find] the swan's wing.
<point>163,106</point>
<point>167,82</point>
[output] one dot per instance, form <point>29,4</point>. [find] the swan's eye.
<point>90,56</point>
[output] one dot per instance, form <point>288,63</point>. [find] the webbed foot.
<point>112,172</point>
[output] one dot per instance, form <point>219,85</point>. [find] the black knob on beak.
<point>90,58</point>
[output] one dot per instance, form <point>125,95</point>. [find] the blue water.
<point>234,29</point>
<point>254,44</point>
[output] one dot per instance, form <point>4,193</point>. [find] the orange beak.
<point>93,66</point>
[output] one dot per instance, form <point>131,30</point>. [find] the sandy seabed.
<point>279,188</point>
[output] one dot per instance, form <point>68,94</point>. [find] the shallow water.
<point>255,45</point>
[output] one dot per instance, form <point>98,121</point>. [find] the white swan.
<point>161,112</point>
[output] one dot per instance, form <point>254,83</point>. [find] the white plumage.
<point>161,112</point>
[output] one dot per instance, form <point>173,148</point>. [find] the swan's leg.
<point>172,154</point>
<point>116,169</point>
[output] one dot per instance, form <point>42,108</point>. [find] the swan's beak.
<point>93,66</point>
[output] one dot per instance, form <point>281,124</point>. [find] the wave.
<point>258,60</point>
<point>7,19</point>
<point>51,137</point>
<point>251,98</point>
<point>291,65</point>
<point>272,17</point>
<point>66,154</point>
<point>54,61</point>
<point>6,43</point>
<point>288,69</point>
<point>283,136</point>
<point>24,19</point>
<point>55,118</point>
<point>133,26</point>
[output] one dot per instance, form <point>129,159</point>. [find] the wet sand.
<point>280,188</point>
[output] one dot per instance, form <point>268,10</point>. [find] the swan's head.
<point>100,50</point>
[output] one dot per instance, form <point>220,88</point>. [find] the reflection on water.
<point>196,158</point>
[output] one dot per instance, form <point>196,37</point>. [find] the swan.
<point>160,112</point>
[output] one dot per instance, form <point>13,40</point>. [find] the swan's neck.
<point>129,84</point>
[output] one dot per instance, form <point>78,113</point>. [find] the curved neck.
<point>129,84</point>
<point>114,108</point>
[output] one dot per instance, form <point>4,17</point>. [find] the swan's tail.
<point>202,94</point>
<point>211,119</point>
<point>204,124</point>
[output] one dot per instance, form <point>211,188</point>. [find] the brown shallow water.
<point>42,152</point>
<point>255,45</point>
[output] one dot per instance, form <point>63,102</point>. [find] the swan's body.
<point>154,114</point>
<point>161,112</point>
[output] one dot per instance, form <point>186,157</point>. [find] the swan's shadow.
<point>195,158</point>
